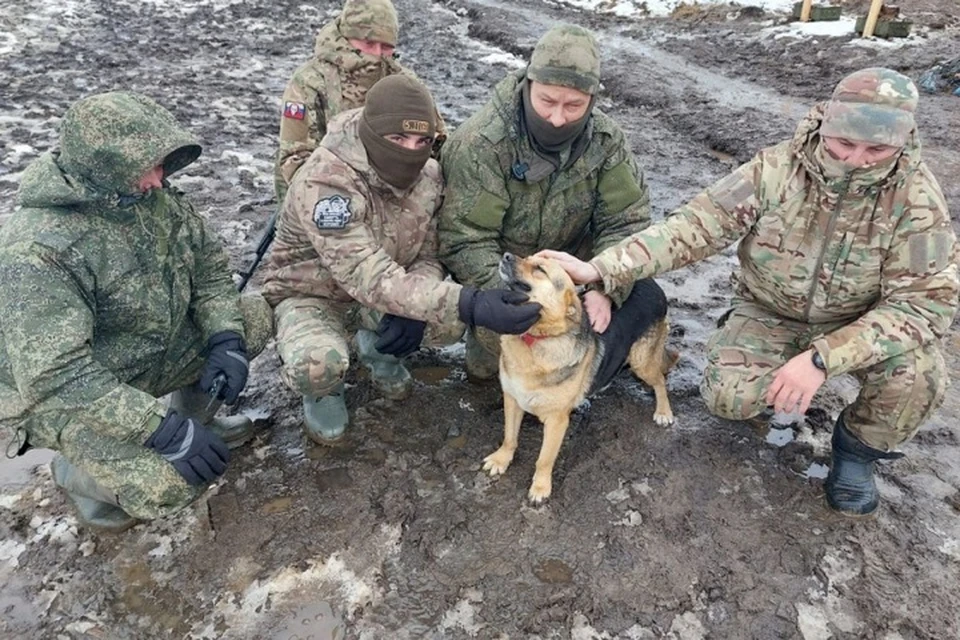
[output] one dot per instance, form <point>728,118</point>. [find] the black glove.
<point>196,452</point>
<point>500,310</point>
<point>399,336</point>
<point>226,356</point>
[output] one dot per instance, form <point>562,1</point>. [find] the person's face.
<point>857,153</point>
<point>558,105</point>
<point>373,48</point>
<point>409,141</point>
<point>152,179</point>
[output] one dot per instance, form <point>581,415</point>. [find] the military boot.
<point>325,418</point>
<point>387,372</point>
<point>850,486</point>
<point>97,508</point>
<point>235,431</point>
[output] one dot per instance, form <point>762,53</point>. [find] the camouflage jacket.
<point>334,80</point>
<point>879,253</point>
<point>594,204</point>
<point>95,295</point>
<point>345,234</point>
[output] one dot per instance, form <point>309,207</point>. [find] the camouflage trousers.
<point>896,396</point>
<point>146,485</point>
<point>313,340</point>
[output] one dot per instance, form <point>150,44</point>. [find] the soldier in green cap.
<point>351,54</point>
<point>849,264</point>
<point>113,292</point>
<point>355,258</point>
<point>539,167</point>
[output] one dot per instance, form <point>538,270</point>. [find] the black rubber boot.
<point>851,489</point>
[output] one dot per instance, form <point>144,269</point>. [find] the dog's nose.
<point>509,258</point>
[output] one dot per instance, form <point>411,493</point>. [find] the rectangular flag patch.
<point>294,110</point>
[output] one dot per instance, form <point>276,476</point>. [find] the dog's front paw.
<point>663,419</point>
<point>497,462</point>
<point>540,489</point>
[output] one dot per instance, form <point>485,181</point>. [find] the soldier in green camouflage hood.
<point>350,55</point>
<point>112,293</point>
<point>849,264</point>
<point>539,167</point>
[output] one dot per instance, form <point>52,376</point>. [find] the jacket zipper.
<point>823,251</point>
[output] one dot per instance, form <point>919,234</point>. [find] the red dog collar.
<point>529,339</point>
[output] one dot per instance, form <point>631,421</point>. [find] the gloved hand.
<point>399,336</point>
<point>227,355</point>
<point>196,452</point>
<point>500,310</point>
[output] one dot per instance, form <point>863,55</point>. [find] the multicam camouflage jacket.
<point>334,80</point>
<point>594,204</point>
<point>345,234</point>
<point>878,251</point>
<point>97,290</point>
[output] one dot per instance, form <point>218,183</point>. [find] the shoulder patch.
<point>332,212</point>
<point>294,110</point>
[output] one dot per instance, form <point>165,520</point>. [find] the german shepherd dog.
<point>552,368</point>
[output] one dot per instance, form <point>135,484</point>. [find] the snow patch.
<point>687,627</point>
<point>462,615</point>
<point>10,551</point>
<point>504,59</point>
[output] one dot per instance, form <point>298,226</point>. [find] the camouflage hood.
<point>107,143</point>
<point>333,47</point>
<point>807,138</point>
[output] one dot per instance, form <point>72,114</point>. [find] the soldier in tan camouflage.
<point>849,264</point>
<point>356,252</point>
<point>350,55</point>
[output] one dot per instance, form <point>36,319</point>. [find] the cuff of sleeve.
<point>610,285</point>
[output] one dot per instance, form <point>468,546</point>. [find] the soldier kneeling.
<point>113,293</point>
<point>355,252</point>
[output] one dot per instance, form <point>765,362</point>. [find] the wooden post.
<point>805,10</point>
<point>871,22</point>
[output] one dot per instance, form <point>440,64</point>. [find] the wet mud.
<point>708,528</point>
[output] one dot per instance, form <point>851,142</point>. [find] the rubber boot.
<point>851,489</point>
<point>234,430</point>
<point>325,418</point>
<point>387,372</point>
<point>97,508</point>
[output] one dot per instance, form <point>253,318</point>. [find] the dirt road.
<point>706,529</point>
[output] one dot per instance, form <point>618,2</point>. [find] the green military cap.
<point>568,56</point>
<point>374,20</point>
<point>872,105</point>
<point>112,139</point>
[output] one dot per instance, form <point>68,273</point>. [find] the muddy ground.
<point>705,529</point>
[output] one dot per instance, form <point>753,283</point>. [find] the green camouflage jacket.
<point>334,80</point>
<point>345,234</point>
<point>878,251</point>
<point>97,292</point>
<point>594,204</point>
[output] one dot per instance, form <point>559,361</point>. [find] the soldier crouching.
<point>113,293</point>
<point>355,253</point>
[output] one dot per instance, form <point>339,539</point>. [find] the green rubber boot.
<point>387,372</point>
<point>96,507</point>
<point>483,367</point>
<point>325,418</point>
<point>235,431</point>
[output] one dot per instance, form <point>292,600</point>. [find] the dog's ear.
<point>573,305</point>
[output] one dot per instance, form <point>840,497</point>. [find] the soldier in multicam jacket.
<point>112,293</point>
<point>350,55</point>
<point>356,252</point>
<point>849,264</point>
<point>539,167</point>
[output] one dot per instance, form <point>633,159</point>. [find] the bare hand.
<point>598,308</point>
<point>581,272</point>
<point>795,384</point>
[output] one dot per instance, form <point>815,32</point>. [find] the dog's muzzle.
<point>508,273</point>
